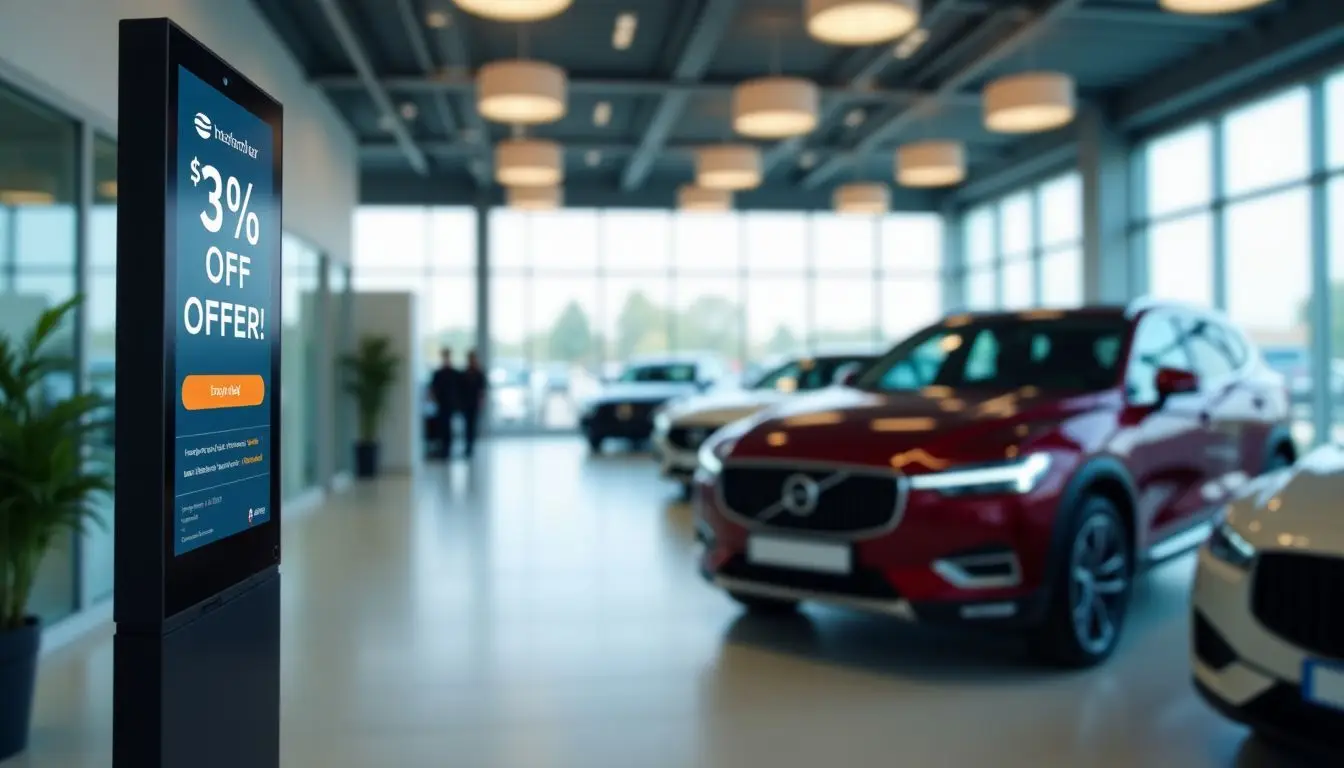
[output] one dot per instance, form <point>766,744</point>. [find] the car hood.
<point>638,392</point>
<point>1296,508</point>
<point>714,409</point>
<point>924,430</point>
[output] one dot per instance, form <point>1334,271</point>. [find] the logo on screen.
<point>203,126</point>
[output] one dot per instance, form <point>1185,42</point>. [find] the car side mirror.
<point>1175,381</point>
<point>847,375</point>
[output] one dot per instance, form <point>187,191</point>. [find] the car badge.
<point>799,495</point>
<point>624,411</point>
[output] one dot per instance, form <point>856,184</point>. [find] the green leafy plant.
<point>369,373</point>
<point>46,486</point>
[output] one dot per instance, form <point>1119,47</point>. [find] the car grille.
<point>688,438</point>
<point>848,503</point>
<point>610,413</point>
<point>1301,599</point>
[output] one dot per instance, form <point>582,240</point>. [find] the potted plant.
<point>46,487</point>
<point>369,373</point>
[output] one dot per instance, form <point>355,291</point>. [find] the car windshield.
<point>1056,352</point>
<point>809,373</point>
<point>671,372</point>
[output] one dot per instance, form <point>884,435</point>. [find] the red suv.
<point>1013,470</point>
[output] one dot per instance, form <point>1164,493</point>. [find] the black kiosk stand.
<point>197,647</point>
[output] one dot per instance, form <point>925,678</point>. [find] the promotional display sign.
<point>227,248</point>
<point>197,601</point>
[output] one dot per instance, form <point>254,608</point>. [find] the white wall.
<point>70,46</point>
<point>393,314</point>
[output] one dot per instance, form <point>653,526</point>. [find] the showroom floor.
<point>542,609</point>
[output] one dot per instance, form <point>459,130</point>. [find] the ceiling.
<point>670,90</point>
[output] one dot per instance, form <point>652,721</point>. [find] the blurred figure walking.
<point>446,386</point>
<point>472,385</point>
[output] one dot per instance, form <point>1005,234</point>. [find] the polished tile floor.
<point>540,608</point>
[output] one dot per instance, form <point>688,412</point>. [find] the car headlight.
<point>1230,547</point>
<point>1017,476</point>
<point>712,453</point>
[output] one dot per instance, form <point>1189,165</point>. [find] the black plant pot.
<point>18,677</point>
<point>366,460</point>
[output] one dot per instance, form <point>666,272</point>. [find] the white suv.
<point>1268,624</point>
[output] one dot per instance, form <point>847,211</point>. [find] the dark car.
<point>625,407</point>
<point>1010,470</point>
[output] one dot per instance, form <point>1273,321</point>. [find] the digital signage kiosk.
<point>197,651</point>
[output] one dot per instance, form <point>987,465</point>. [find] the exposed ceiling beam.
<point>1316,30</point>
<point>574,148</point>
<point>1022,34</point>
<point>410,20</point>
<point>619,86</point>
<point>354,51</point>
<point>878,60</point>
<point>710,27</point>
<point>1023,164</point>
<point>1117,13</point>
<point>456,54</point>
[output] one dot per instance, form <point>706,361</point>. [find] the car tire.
<point>1084,623</point>
<point>595,443</point>
<point>764,606</point>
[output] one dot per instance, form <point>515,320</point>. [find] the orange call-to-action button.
<point>200,393</point>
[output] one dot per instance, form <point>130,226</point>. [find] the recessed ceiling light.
<point>623,34</point>
<point>911,43</point>
<point>409,110</point>
<point>854,118</point>
<point>592,157</point>
<point>438,19</point>
<point>387,123</point>
<point>602,114</point>
<point>807,160</point>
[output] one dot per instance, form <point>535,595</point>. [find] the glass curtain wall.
<point>1229,224</point>
<point>301,338</point>
<point>39,214</point>
<point>576,294</point>
<point>1024,249</point>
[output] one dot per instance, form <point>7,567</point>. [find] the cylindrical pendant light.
<point>1029,102</point>
<point>871,198</point>
<point>514,10</point>
<point>702,200</point>
<point>861,22</point>
<point>728,166</point>
<point>775,107</point>
<point>529,163</point>
<point>931,164</point>
<point>1209,6</point>
<point>535,198</point>
<point>521,92</point>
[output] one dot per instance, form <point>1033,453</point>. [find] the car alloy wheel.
<point>1098,582</point>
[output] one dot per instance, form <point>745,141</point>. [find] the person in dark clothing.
<point>445,387</point>
<point>471,397</point>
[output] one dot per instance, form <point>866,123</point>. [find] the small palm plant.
<point>46,486</point>
<point>369,374</point>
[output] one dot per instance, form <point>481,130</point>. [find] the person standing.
<point>445,387</point>
<point>471,397</point>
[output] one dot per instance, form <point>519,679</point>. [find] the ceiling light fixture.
<point>602,114</point>
<point>910,44</point>
<point>931,164</point>
<point>623,32</point>
<point>728,166</point>
<point>17,197</point>
<point>108,189</point>
<point>535,198</point>
<point>861,22</point>
<point>854,118</point>
<point>1204,7</point>
<point>592,158</point>
<point>409,110</point>
<point>775,107</point>
<point>529,163</point>
<point>521,92</point>
<point>807,159</point>
<point>698,199</point>
<point>865,197</point>
<point>438,19</point>
<point>1030,102</point>
<point>514,10</point>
